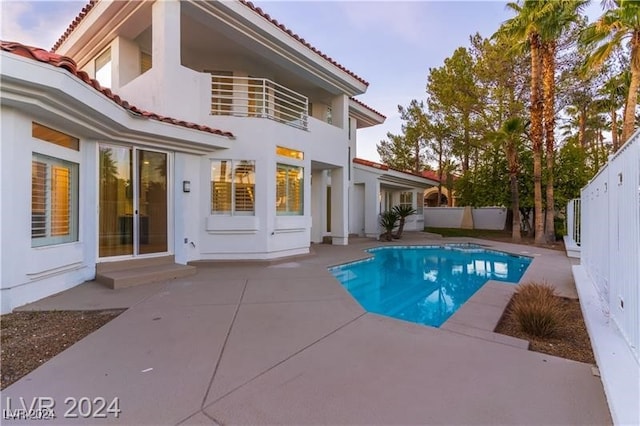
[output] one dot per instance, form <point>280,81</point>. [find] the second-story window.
<point>103,68</point>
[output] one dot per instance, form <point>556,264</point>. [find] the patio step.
<point>130,273</point>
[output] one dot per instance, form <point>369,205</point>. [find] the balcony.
<point>260,98</point>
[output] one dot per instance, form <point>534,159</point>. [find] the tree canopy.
<point>540,103</point>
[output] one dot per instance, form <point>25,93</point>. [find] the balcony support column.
<point>340,112</point>
<point>319,182</point>
<point>166,36</point>
<point>372,200</point>
<point>339,207</point>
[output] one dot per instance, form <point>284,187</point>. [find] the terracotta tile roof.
<point>72,26</point>
<point>68,64</point>
<point>425,174</point>
<point>368,107</point>
<point>266,16</point>
<point>430,174</point>
<point>370,163</point>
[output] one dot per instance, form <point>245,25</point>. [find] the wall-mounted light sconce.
<point>186,186</point>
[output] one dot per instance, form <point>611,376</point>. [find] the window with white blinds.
<point>54,201</point>
<point>289,190</point>
<point>233,187</point>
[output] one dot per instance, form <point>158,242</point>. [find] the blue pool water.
<point>425,284</point>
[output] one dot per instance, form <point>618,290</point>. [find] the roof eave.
<point>80,41</point>
<point>47,90</point>
<point>259,26</point>
<point>364,115</point>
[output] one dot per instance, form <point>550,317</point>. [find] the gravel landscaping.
<point>29,339</point>
<point>571,340</point>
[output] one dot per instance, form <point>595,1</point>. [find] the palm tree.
<point>613,94</point>
<point>538,24</point>
<point>511,132</point>
<point>403,211</point>
<point>555,18</point>
<point>524,31</point>
<point>606,35</point>
<point>388,221</point>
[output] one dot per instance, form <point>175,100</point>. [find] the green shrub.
<point>533,290</point>
<point>537,309</point>
<point>388,221</point>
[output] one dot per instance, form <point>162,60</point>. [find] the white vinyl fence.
<point>573,220</point>
<point>453,217</point>
<point>610,238</point>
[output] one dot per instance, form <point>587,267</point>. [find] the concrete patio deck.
<point>284,343</point>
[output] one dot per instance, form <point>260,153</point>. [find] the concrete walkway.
<point>286,344</point>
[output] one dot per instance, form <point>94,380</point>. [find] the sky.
<point>391,44</point>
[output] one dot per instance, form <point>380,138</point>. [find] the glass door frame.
<point>135,183</point>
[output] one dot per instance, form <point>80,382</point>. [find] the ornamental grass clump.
<point>538,310</point>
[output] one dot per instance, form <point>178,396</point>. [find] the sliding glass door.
<point>133,202</point>
<point>152,202</point>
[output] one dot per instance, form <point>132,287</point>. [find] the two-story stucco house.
<point>180,130</point>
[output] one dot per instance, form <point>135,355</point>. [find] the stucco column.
<point>166,35</point>
<point>371,208</point>
<point>339,207</point>
<point>318,203</point>
<point>340,112</point>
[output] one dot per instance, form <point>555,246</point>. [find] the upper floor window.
<point>406,199</point>
<point>232,187</point>
<point>289,190</point>
<point>103,68</point>
<point>47,134</point>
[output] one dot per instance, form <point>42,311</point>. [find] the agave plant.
<point>388,221</point>
<point>403,211</point>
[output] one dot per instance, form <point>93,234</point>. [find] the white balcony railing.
<point>258,97</point>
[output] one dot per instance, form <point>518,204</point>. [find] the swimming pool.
<point>425,284</point>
